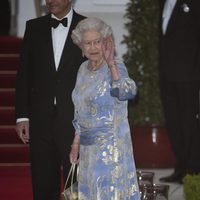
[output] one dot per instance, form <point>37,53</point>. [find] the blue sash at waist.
<point>89,137</point>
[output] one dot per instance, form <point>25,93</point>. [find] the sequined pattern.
<point>107,168</point>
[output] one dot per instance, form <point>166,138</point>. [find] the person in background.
<point>179,68</point>
<point>5,17</point>
<point>102,139</point>
<point>49,62</point>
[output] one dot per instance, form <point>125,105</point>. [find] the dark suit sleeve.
<point>22,79</point>
<point>196,8</point>
<point>196,12</point>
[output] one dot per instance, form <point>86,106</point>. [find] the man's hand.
<point>22,129</point>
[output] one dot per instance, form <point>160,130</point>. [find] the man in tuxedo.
<point>179,68</point>
<point>44,110</point>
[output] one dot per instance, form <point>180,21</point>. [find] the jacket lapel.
<point>172,20</point>
<point>49,44</point>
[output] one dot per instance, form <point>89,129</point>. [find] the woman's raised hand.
<point>108,49</point>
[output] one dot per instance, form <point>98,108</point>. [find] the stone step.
<point>10,44</point>
<point>14,153</point>
<point>7,116</point>
<point>7,79</point>
<point>8,135</point>
<point>9,61</point>
<point>7,97</point>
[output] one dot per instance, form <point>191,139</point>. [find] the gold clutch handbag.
<point>70,193</point>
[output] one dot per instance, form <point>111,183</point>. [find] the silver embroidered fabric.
<point>107,169</point>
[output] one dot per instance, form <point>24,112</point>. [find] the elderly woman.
<point>102,139</point>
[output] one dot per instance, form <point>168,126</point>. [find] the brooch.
<point>186,8</point>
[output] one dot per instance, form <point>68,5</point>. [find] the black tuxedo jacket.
<point>38,82</point>
<point>179,48</point>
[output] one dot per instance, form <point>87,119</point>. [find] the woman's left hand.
<point>73,156</point>
<point>75,147</point>
<point>108,49</point>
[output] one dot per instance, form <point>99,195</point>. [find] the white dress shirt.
<point>167,12</point>
<point>59,35</point>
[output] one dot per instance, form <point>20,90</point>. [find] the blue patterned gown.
<point>107,168</point>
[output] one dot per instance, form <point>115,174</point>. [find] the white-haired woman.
<point>102,139</point>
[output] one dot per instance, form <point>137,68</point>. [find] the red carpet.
<point>11,148</point>
<point>8,135</point>
<point>9,61</point>
<point>14,153</point>
<point>15,183</point>
<point>7,97</point>
<point>15,179</point>
<point>10,44</point>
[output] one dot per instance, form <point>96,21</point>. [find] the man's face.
<point>58,7</point>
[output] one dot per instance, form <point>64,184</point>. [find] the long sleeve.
<point>76,125</point>
<point>125,87</point>
<point>22,80</point>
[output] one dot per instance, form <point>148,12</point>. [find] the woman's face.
<point>58,7</point>
<point>91,45</point>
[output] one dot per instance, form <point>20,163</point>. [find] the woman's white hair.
<point>90,23</point>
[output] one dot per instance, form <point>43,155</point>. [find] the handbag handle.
<point>71,172</point>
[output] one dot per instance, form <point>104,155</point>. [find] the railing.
<point>14,6</point>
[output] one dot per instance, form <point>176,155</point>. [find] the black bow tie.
<point>55,22</point>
